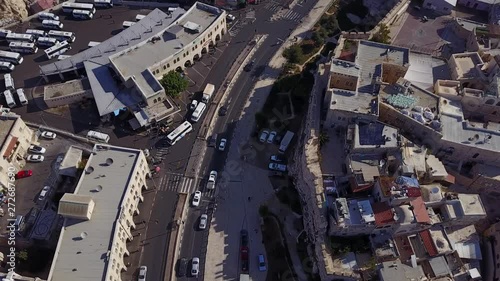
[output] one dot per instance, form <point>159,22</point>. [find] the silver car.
<point>195,267</point>
<point>35,158</point>
<point>263,136</point>
<point>203,221</point>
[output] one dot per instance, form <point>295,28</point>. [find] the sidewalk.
<point>243,180</point>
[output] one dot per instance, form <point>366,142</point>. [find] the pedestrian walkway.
<point>178,183</point>
<point>292,15</point>
<point>273,6</point>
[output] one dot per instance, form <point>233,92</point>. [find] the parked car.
<point>222,111</point>
<point>35,158</point>
<point>43,194</point>
<point>264,135</point>
<point>195,267</point>
<point>222,144</point>
<point>277,167</point>
<point>230,17</point>
<point>182,267</point>
<point>212,178</point>
<point>262,263</point>
<point>143,270</point>
<point>271,137</point>
<point>24,174</point>
<point>193,105</point>
<point>48,135</point>
<point>196,198</point>
<point>249,66</point>
<point>277,158</point>
<point>203,221</point>
<point>36,149</point>
<point>212,141</point>
<point>244,237</point>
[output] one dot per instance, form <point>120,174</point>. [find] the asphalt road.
<point>194,241</point>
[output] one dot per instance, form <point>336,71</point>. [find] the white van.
<point>21,96</point>
<point>9,98</point>
<point>93,135</point>
<point>9,82</point>
<point>47,16</point>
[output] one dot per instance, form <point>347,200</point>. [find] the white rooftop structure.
<point>92,241</point>
<point>425,70</point>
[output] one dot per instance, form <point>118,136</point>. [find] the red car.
<point>24,174</point>
<point>244,258</point>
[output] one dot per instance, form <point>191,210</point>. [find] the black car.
<point>249,66</point>
<point>182,267</point>
<point>223,111</point>
<point>244,237</point>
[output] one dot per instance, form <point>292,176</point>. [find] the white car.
<point>36,149</point>
<point>276,158</point>
<point>48,135</point>
<point>277,167</point>
<point>263,136</point>
<point>211,180</point>
<point>230,17</point>
<point>262,263</point>
<point>194,104</point>
<point>196,198</point>
<point>195,267</point>
<point>35,158</point>
<point>203,221</point>
<point>44,193</point>
<point>142,273</point>
<point>222,144</point>
<point>271,137</point>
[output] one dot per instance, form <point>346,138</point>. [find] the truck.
<point>208,92</point>
<point>244,277</point>
<point>285,142</point>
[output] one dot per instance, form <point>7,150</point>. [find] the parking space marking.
<point>194,69</point>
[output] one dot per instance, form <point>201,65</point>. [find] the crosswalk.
<point>182,184</point>
<point>273,6</point>
<point>281,13</point>
<point>292,16</point>
<point>161,149</point>
<point>235,29</point>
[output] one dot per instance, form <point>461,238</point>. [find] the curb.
<point>174,239</point>
<point>58,131</point>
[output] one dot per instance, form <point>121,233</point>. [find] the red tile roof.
<point>385,184</point>
<point>413,192</point>
<point>10,147</point>
<point>383,213</point>
<point>428,243</point>
<point>420,211</point>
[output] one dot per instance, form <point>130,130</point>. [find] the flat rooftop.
<point>409,97</point>
<point>371,55</point>
<point>425,70</point>
<point>86,254</point>
<point>6,124</point>
<point>456,129</point>
<point>469,25</point>
<point>375,134</point>
<point>471,204</point>
<point>466,64</point>
<point>344,67</point>
<point>363,103</point>
<point>66,88</point>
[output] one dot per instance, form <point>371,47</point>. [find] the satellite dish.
<point>109,161</point>
<point>89,170</point>
<point>84,235</point>
<point>98,188</point>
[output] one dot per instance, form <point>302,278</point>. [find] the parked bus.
<point>62,35</point>
<point>127,24</point>
<point>139,17</point>
<point>52,24</point>
<point>93,135</point>
<point>285,142</point>
<point>11,57</point>
<point>93,44</point>
<point>21,96</point>
<point>9,82</point>
<point>179,132</point>
<point>36,32</point>
<point>9,98</point>
<point>47,16</point>
<point>6,66</point>
<point>19,37</point>
<point>68,7</point>
<point>46,41</point>
<point>58,49</point>
<point>3,33</point>
<point>103,3</point>
<point>198,112</point>
<point>23,48</point>
<point>82,14</point>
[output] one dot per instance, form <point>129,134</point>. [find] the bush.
<point>294,54</point>
<point>382,35</point>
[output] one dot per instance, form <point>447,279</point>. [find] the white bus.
<point>19,37</point>
<point>62,35</point>
<point>47,16</point>
<point>179,132</point>
<point>9,98</point>
<point>6,66</point>
<point>36,32</point>
<point>93,135</point>
<point>68,7</point>
<point>198,112</point>
<point>139,17</point>
<point>21,96</point>
<point>127,24</point>
<point>285,142</point>
<point>9,82</point>
<point>103,3</point>
<point>82,14</point>
<point>23,47</point>
<point>3,33</point>
<point>46,41</point>
<point>58,49</point>
<point>52,24</point>
<point>11,57</point>
<point>93,44</point>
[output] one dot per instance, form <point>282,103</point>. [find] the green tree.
<point>317,38</point>
<point>174,84</point>
<point>382,35</point>
<point>22,255</point>
<point>323,139</point>
<point>294,54</point>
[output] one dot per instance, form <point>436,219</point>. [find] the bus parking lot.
<point>106,23</point>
